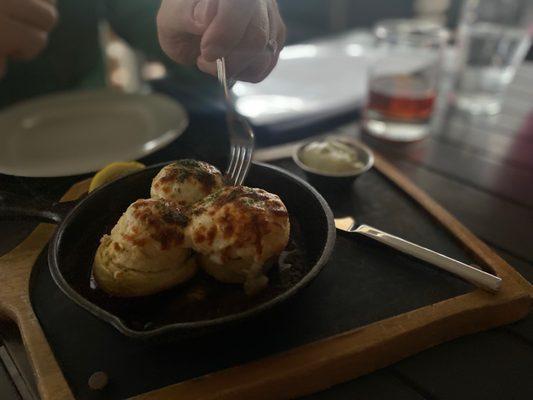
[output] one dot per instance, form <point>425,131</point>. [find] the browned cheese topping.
<point>249,219</point>
<point>184,170</point>
<point>165,222</point>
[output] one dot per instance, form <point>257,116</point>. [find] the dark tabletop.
<point>481,170</point>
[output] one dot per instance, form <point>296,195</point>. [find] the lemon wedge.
<point>114,171</point>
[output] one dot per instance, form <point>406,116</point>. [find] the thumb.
<point>203,13</point>
<point>180,25</point>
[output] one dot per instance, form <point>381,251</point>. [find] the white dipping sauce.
<point>331,156</point>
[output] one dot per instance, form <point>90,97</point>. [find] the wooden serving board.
<point>306,368</point>
<point>15,305</point>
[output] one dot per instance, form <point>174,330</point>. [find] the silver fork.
<point>241,135</point>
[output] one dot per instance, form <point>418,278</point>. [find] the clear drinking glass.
<point>403,79</point>
<point>493,38</point>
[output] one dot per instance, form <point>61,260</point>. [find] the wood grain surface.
<point>15,272</point>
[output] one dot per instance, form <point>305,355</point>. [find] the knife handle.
<point>471,274</point>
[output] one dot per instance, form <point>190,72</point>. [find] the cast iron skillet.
<point>197,306</point>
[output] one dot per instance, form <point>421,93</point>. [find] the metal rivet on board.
<point>98,380</point>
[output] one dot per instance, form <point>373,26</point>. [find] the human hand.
<point>24,28</point>
<point>248,33</point>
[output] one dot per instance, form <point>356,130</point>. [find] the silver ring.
<point>272,45</point>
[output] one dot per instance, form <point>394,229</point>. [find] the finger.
<point>21,41</point>
<point>252,45</point>
<point>257,70</point>
<point>277,25</point>
<point>183,49</point>
<point>37,13</point>
<point>238,60</point>
<point>209,67</point>
<point>265,61</point>
<point>228,27</point>
<point>234,65</point>
<point>177,17</point>
<point>179,25</point>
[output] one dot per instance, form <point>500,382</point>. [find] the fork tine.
<point>242,163</point>
<point>245,166</point>
<point>239,153</point>
<point>240,132</point>
<point>232,159</point>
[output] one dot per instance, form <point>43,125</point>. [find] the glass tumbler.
<point>493,38</point>
<point>403,79</point>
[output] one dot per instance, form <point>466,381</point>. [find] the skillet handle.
<point>21,208</point>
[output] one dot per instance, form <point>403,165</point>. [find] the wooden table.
<point>480,169</point>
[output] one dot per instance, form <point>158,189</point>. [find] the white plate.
<point>80,132</point>
<point>309,80</point>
